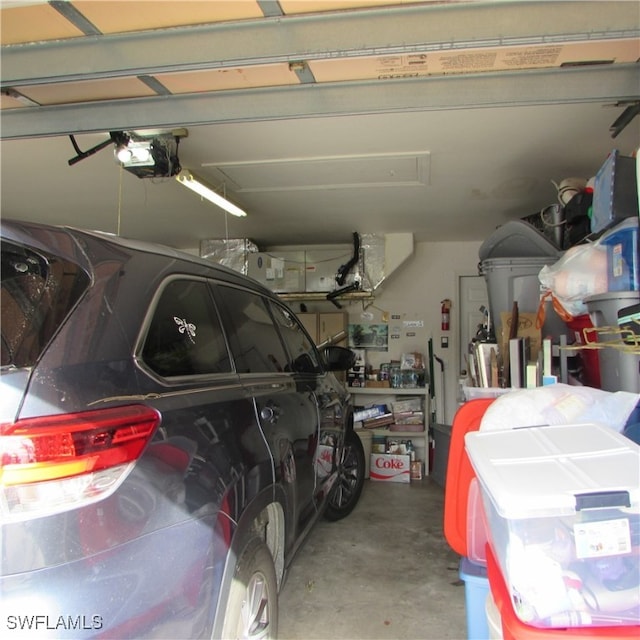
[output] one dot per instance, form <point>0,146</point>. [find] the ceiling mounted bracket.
<point>632,110</point>
<point>81,155</point>
<point>303,72</point>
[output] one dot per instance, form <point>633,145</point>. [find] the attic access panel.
<point>297,174</point>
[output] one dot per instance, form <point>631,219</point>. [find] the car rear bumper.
<point>167,579</point>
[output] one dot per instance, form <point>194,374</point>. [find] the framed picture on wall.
<point>374,337</point>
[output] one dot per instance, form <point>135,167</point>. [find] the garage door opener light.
<point>154,155</point>
<point>186,178</point>
<point>135,153</point>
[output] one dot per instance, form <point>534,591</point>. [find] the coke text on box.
<point>390,467</point>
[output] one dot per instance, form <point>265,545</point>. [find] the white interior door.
<point>473,296</point>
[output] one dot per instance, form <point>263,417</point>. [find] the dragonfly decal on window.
<point>186,327</point>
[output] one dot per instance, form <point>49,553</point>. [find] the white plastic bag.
<point>580,273</point>
<point>559,404</point>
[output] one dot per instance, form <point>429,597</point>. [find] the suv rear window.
<point>185,337</point>
<point>38,292</point>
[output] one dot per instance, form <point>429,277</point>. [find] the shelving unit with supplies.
<point>366,396</point>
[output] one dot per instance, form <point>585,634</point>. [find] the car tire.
<point>252,607</point>
<point>346,493</point>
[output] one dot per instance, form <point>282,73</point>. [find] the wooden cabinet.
<point>331,324</point>
<point>310,323</point>
<point>325,325</point>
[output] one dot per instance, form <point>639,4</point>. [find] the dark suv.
<point>168,435</point>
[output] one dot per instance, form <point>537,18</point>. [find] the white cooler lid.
<point>539,471</point>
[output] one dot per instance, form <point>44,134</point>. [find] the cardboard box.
<point>378,422</point>
<point>324,460</point>
<point>410,404</point>
<point>377,384</point>
<point>409,417</point>
<point>406,428</point>
<point>390,468</point>
<point>563,508</point>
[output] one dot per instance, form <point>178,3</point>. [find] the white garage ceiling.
<point>319,118</point>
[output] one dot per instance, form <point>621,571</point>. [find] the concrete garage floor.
<point>384,572</point>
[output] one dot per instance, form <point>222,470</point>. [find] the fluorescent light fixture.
<point>186,178</point>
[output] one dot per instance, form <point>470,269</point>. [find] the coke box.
<point>324,460</point>
<point>390,467</point>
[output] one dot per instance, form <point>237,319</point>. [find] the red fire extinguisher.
<point>446,315</point>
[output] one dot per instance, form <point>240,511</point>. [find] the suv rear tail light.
<point>54,463</point>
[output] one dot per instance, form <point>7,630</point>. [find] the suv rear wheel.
<point>346,493</point>
<point>252,608</point>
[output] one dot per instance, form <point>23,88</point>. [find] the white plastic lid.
<point>555,470</point>
<point>517,239</point>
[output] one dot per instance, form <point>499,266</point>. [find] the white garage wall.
<point>414,293</point>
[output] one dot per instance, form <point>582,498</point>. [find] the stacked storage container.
<point>563,513</point>
<point>534,481</point>
<point>619,362</point>
<point>463,528</point>
<point>615,215</point>
<point>510,260</point>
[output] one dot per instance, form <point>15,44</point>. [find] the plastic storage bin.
<point>623,260</point>
<point>505,625</point>
<point>619,368</point>
<point>510,260</point>
<point>476,590</point>
<point>520,239</point>
<point>460,476</point>
<point>563,507</point>
<point>615,194</point>
<point>494,619</point>
<point>476,525</point>
<point>512,280</point>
